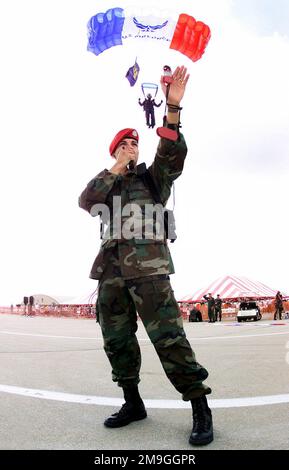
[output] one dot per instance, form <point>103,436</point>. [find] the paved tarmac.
<point>56,388</point>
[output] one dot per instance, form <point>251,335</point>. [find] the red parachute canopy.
<point>190,37</point>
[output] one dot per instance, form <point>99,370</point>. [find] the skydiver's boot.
<point>132,410</point>
<point>202,432</point>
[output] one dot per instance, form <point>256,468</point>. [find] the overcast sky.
<point>61,106</point>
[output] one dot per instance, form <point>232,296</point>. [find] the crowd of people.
<point>214,309</point>
<point>195,312</point>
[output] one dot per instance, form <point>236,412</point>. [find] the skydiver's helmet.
<point>167,70</point>
<point>168,76</point>
<point>149,96</point>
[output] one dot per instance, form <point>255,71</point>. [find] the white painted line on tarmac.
<point>167,404</point>
<point>239,336</point>
<point>45,336</point>
<point>144,339</point>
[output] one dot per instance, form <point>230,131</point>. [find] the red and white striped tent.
<point>232,287</point>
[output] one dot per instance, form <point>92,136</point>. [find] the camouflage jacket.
<point>138,256</point>
<point>210,301</point>
<point>279,301</point>
<point>218,304</point>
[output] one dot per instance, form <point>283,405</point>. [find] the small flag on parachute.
<point>132,73</point>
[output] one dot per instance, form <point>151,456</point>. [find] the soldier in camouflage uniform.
<point>278,306</point>
<point>211,307</point>
<point>218,308</point>
<point>133,272</point>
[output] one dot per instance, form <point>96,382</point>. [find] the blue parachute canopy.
<point>105,30</point>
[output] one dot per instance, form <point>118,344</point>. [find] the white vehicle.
<point>248,311</point>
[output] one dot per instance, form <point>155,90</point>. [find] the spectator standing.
<point>211,307</point>
<point>218,308</point>
<point>278,306</point>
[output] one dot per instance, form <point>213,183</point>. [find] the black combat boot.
<point>202,432</point>
<point>132,410</point>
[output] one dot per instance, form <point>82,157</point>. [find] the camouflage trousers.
<point>218,314</point>
<point>211,314</point>
<point>153,299</point>
<point>278,312</point>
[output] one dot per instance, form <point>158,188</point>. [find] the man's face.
<point>128,147</point>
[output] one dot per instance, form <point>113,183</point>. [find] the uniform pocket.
<point>164,295</point>
<point>152,257</point>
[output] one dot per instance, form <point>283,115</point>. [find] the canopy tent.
<point>87,298</point>
<point>233,287</point>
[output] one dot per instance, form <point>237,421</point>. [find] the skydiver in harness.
<point>148,105</point>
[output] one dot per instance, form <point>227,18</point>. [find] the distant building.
<point>42,299</point>
<point>84,299</point>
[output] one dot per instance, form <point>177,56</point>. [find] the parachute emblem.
<point>148,28</point>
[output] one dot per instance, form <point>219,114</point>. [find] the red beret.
<point>123,134</point>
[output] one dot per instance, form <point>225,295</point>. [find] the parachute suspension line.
<point>172,108</point>
<point>149,86</point>
<point>166,105</point>
<point>166,132</point>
